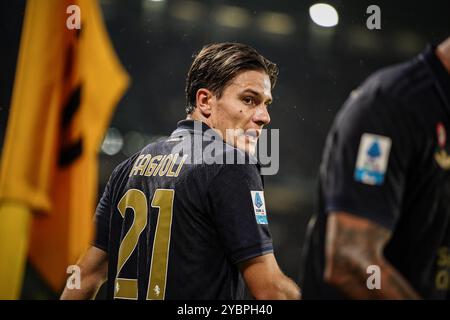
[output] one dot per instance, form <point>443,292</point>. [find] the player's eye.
<point>249,100</point>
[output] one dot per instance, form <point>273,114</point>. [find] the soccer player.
<point>383,230</point>
<point>189,224</point>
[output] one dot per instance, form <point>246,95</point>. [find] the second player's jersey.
<point>175,222</point>
<point>387,159</point>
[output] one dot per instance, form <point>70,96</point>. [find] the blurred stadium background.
<point>319,66</point>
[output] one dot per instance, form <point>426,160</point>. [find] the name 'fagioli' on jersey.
<point>162,165</point>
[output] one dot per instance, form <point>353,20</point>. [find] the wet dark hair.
<point>217,64</point>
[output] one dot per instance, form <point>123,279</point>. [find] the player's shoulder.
<point>390,92</point>
<point>238,165</point>
<point>124,167</point>
<point>232,157</point>
<point>400,82</point>
<point>228,163</point>
<point>397,84</point>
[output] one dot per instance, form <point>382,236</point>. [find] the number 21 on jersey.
<point>137,201</point>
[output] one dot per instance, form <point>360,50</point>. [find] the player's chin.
<point>247,145</point>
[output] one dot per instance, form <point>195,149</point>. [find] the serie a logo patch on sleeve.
<point>259,206</point>
<point>372,160</point>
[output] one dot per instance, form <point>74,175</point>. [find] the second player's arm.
<point>353,244</point>
<point>266,281</point>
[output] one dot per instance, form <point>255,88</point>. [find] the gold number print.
<point>136,200</point>
<point>163,199</point>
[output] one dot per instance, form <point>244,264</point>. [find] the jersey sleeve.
<point>366,159</point>
<point>102,217</point>
<point>238,211</point>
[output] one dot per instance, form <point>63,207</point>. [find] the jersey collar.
<point>199,127</point>
<point>193,126</point>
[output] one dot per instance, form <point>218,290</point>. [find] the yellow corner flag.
<point>68,81</point>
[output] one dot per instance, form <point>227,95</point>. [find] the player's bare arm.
<point>353,244</point>
<point>266,281</point>
<point>94,270</point>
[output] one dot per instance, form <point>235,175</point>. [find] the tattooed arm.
<point>352,244</point>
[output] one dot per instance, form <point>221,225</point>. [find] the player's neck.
<point>443,53</point>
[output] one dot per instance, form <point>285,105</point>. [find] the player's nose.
<point>261,116</point>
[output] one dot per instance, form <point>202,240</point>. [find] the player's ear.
<point>203,100</point>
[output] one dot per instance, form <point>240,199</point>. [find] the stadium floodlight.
<point>324,15</point>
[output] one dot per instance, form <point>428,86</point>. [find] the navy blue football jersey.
<point>387,159</point>
<point>177,218</point>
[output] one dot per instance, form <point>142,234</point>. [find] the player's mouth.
<point>252,135</point>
